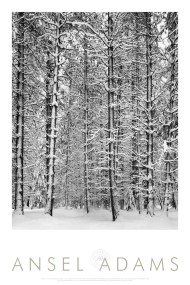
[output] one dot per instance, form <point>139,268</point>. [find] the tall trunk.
<point>133,139</point>
<point>112,184</point>
<point>19,205</point>
<point>48,116</point>
<point>149,132</point>
<point>139,192</point>
<point>118,119</point>
<point>86,126</point>
<point>170,126</point>
<point>53,130</point>
<point>67,155</point>
<point>118,158</point>
<point>101,158</point>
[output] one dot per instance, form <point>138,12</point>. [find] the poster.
<point>75,256</point>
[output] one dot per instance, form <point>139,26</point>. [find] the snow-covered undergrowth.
<point>100,219</point>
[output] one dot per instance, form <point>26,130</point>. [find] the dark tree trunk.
<point>48,116</point>
<point>149,131</point>
<point>19,204</point>
<point>111,152</point>
<point>137,84</point>
<point>53,130</point>
<point>171,123</point>
<point>86,126</point>
<point>67,154</point>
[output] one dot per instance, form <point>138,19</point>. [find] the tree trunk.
<point>48,116</point>
<point>133,190</point>
<point>67,155</point>
<point>53,130</point>
<point>112,183</point>
<point>170,124</point>
<point>19,205</point>
<point>137,69</point>
<point>149,132</point>
<point>86,127</point>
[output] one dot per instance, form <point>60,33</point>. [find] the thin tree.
<point>171,124</point>
<point>149,105</point>
<point>112,184</point>
<point>53,128</point>
<point>19,203</point>
<point>86,183</point>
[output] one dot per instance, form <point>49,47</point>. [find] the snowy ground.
<point>100,219</point>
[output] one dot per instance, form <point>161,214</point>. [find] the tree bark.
<point>111,165</point>
<point>48,117</point>
<point>170,124</point>
<point>137,70</point>
<point>67,155</point>
<point>86,126</point>
<point>19,203</point>
<point>149,132</point>
<point>53,130</point>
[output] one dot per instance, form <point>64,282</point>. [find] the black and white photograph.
<point>94,146</point>
<point>95,120</point>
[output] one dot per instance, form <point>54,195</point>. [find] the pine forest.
<point>95,117</point>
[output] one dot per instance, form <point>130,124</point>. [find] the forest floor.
<point>100,219</point>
